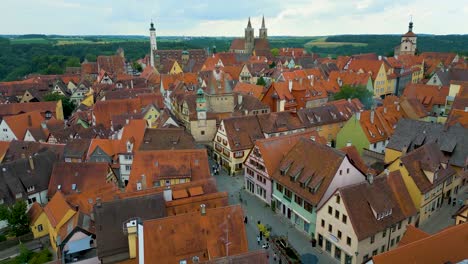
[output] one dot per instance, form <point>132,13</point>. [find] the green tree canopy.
<point>16,217</point>
<point>261,81</point>
<point>359,92</point>
<point>68,106</point>
<point>73,62</point>
<point>275,52</point>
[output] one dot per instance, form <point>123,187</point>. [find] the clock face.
<point>201,115</point>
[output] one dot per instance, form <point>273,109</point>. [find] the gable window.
<point>372,239</point>
<point>40,228</point>
<point>339,234</point>
<point>348,241</point>
<point>338,199</point>
<point>323,223</point>
<point>344,219</point>
<point>337,214</point>
<point>330,210</point>
<point>330,228</point>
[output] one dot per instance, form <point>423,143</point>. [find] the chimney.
<point>239,99</point>
<point>127,121</point>
<point>372,114</point>
<point>43,125</point>
<point>348,144</point>
<point>349,100</point>
<point>398,107</point>
<point>131,83</point>
<point>340,82</point>
<point>98,202</point>
<point>167,194</point>
<point>203,209</point>
<point>31,162</point>
<point>143,182</point>
<point>370,178</point>
<point>132,234</point>
<point>380,57</point>
<point>290,85</point>
<point>385,109</point>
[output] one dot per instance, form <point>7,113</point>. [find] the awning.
<point>79,245</point>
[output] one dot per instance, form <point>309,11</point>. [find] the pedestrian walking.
<point>274,257</point>
<point>258,240</point>
<point>261,235</point>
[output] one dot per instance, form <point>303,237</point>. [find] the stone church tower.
<point>153,43</point>
<point>408,42</point>
<point>249,38</point>
<point>263,30</point>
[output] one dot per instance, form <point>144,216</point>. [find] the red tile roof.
<point>256,91</point>
<point>366,202</point>
<point>19,124</point>
<point>34,212</point>
<point>457,116</point>
<point>150,167</point>
<point>104,110</point>
<point>367,66</point>
<point>428,95</point>
<point>411,235</point>
<point>57,208</point>
<point>81,176</point>
<point>193,234</point>
<point>109,146</point>
<point>447,246</point>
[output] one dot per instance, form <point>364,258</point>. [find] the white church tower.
<point>154,44</point>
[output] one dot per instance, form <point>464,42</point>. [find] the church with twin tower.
<point>251,45</point>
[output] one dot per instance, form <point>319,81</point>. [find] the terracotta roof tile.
<point>313,173</point>
<point>256,91</point>
<point>166,165</point>
<point>104,110</point>
<point>428,95</point>
<point>56,208</point>
<point>73,177</point>
<point>19,108</point>
<point>384,194</point>
<point>166,139</point>
<point>457,116</point>
<point>109,146</point>
<point>411,235</point>
<point>447,246</point>
<point>367,66</point>
<point>20,123</point>
<point>202,243</point>
<point>34,212</point>
<point>242,132</point>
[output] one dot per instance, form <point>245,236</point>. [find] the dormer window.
<point>30,188</point>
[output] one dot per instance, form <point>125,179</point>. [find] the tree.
<point>272,65</point>
<point>261,81</point>
<point>275,52</point>
<point>68,106</point>
<point>137,66</point>
<point>16,217</point>
<point>359,92</point>
<point>73,62</point>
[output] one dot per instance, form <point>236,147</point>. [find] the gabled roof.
<point>428,95</point>
<point>242,132</point>
<point>193,234</point>
<point>57,208</point>
<point>18,108</point>
<point>149,167</point>
<point>112,64</point>
<point>278,122</point>
<point>19,124</point>
<point>34,212</point>
<point>68,177</point>
<point>20,149</point>
<point>411,134</point>
<point>256,91</point>
<point>133,132</point>
<point>457,116</point>
<point>322,115</point>
<point>104,110</point>
<point>365,203</point>
<point>446,246</point>
<point>109,146</point>
<point>167,139</point>
<point>309,172</point>
<point>427,158</point>
<point>367,66</point>
<point>411,235</point>
<point>272,149</point>
<point>76,148</point>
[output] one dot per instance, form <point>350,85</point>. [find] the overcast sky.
<point>229,18</point>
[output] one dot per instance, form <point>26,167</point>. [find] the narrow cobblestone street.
<point>256,210</point>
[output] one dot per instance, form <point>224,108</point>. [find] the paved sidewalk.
<point>256,210</point>
<point>33,245</point>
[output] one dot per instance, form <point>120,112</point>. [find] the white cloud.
<point>221,18</point>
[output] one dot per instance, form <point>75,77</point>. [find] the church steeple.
<point>410,27</point>
<point>249,38</point>
<point>263,30</point>
<point>153,43</point>
<point>249,25</point>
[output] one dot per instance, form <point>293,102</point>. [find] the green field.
<point>321,42</point>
